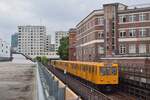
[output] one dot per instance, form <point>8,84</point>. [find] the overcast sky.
<point>54,14</point>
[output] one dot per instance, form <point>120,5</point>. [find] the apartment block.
<point>31,40</point>
<point>48,43</point>
<point>115,30</point>
<point>4,50</point>
<point>58,36</point>
<point>14,41</point>
<point>72,44</point>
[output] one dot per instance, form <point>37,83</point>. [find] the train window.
<point>108,71</point>
<point>85,68</point>
<point>82,68</point>
<point>114,71</point>
<point>92,69</point>
<point>74,66</point>
<point>89,69</point>
<point>103,71</point>
<point>95,70</point>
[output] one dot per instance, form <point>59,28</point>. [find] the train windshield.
<point>108,71</point>
<point>114,71</point>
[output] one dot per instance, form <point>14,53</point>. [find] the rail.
<point>26,56</point>
<point>49,89</point>
<point>86,92</point>
<point>135,80</point>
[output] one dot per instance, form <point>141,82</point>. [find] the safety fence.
<point>50,86</point>
<point>135,80</point>
<point>81,89</point>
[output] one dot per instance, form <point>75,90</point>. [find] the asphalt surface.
<point>17,80</point>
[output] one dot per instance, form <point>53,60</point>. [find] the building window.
<point>142,48</point>
<point>122,49</point>
<point>132,18</point>
<point>122,34</point>
<point>132,48</point>
<point>100,21</point>
<point>142,17</point>
<point>101,50</point>
<point>132,32</point>
<point>100,35</point>
<point>122,19</point>
<point>142,32</point>
<point>149,48</point>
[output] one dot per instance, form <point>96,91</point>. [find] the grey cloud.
<point>55,14</point>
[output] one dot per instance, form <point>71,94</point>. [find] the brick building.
<point>72,43</point>
<point>115,30</point>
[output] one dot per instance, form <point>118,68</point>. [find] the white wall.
<point>4,49</point>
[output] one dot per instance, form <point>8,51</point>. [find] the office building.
<point>4,50</point>
<point>52,47</point>
<point>48,43</point>
<point>31,40</point>
<point>115,30</point>
<point>14,41</point>
<point>72,44</point>
<point>58,36</point>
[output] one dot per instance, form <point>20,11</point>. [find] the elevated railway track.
<point>87,92</point>
<point>135,80</point>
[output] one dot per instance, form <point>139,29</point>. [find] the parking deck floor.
<point>17,81</point>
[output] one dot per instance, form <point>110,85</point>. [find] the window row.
<point>132,48</point>
<point>143,32</point>
<point>134,17</point>
<point>97,21</point>
<point>4,51</point>
<point>3,46</point>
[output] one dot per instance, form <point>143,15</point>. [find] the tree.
<point>44,60</point>
<point>63,50</point>
<point>37,58</point>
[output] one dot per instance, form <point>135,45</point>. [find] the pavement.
<point>17,80</point>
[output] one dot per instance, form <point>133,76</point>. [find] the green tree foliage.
<point>37,58</point>
<point>43,59</point>
<point>63,50</point>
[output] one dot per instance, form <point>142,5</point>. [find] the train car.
<point>102,75</point>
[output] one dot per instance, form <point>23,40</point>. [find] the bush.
<point>43,59</point>
<point>37,58</point>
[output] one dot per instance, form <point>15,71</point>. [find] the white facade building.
<point>48,43</point>
<point>4,49</point>
<point>58,36</point>
<point>31,40</point>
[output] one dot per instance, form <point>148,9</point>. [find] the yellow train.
<point>101,74</point>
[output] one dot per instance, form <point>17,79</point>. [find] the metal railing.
<point>50,87</point>
<point>135,80</point>
<point>84,91</point>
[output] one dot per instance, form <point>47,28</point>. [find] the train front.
<point>108,77</point>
